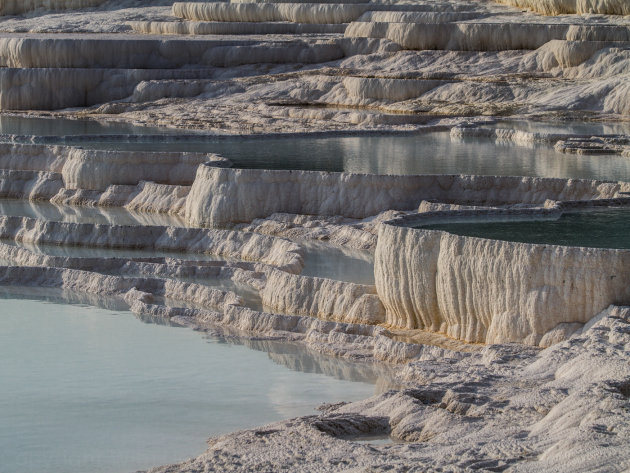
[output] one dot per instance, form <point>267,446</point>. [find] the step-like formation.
<point>470,36</point>
<point>560,7</point>
<point>59,71</point>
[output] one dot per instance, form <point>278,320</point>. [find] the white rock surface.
<point>322,298</point>
<point>221,197</point>
<point>97,170</point>
<point>558,7</point>
<point>482,36</point>
<point>232,28</point>
<point>491,291</point>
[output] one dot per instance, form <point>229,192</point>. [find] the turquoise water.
<point>92,390</point>
<point>594,229</point>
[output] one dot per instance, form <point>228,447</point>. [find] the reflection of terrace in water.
<point>95,382</point>
<point>420,153</point>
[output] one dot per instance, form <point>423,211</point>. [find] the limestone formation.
<point>559,7</point>
<point>499,356</point>
<point>222,196</point>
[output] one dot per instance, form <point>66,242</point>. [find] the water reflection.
<point>73,214</point>
<point>343,264</point>
<point>421,153</point>
<point>87,389</point>
<point>601,228</point>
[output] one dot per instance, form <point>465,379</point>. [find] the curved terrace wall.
<point>224,196</point>
<point>558,7</point>
<point>490,291</point>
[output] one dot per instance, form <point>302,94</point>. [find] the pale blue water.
<point>84,389</point>
<point>422,153</point>
<point>419,153</point>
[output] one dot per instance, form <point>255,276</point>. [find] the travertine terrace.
<point>508,356</point>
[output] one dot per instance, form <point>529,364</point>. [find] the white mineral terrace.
<point>503,355</point>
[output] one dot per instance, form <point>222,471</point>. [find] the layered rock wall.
<point>322,298</point>
<point>490,291</point>
<point>559,7</point>
<point>222,197</point>
<point>233,28</point>
<point>97,169</point>
<point>482,36</point>
<point>44,88</point>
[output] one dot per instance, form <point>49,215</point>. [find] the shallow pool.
<point>320,259</point>
<point>78,214</point>
<point>86,389</point>
<point>422,153</point>
<point>602,228</point>
<point>418,153</point>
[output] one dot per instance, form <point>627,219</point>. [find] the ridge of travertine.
<point>239,245</point>
<point>559,7</point>
<point>220,196</point>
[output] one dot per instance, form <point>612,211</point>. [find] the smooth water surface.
<point>325,261</point>
<point>93,390</point>
<point>38,126</point>
<point>422,153</point>
<point>77,214</point>
<point>419,153</point>
<point>608,228</point>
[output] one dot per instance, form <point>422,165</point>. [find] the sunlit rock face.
<point>362,65</point>
<point>221,196</point>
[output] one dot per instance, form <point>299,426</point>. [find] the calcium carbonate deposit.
<point>502,351</point>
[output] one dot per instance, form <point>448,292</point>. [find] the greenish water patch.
<point>595,229</point>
